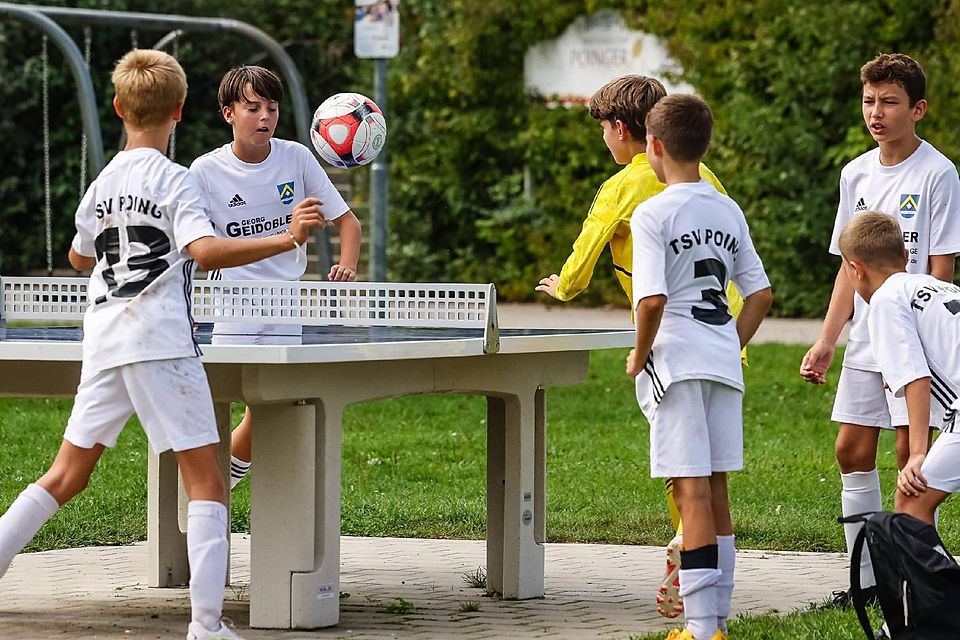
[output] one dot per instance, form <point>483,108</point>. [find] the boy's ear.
<point>116,107</point>
<point>919,110</point>
<point>654,146</point>
<point>178,113</point>
<point>623,131</point>
<point>858,268</point>
<point>227,113</point>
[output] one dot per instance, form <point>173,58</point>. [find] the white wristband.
<point>293,238</point>
<point>296,246</point>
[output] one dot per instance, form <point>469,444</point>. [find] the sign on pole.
<point>595,49</point>
<point>376,29</point>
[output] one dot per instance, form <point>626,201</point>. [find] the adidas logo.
<point>237,201</point>
<point>861,205</point>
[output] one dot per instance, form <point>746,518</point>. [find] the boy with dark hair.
<point>914,327</point>
<point>253,183</point>
<point>688,241</point>
<point>139,354</point>
<point>621,106</point>
<point>907,179</point>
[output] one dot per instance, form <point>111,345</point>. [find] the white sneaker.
<point>198,632</point>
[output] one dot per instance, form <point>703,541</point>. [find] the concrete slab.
<point>594,592</point>
<point>536,315</point>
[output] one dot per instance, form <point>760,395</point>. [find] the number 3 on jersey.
<point>153,262</point>
<point>717,314</point>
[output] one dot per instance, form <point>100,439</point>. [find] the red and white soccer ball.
<point>348,130</point>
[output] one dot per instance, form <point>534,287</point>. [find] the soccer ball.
<point>348,130</point>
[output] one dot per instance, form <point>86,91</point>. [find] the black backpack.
<point>918,581</point>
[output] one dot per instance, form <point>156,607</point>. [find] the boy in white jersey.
<point>144,219</point>
<point>914,327</point>
<point>687,242</point>
<point>252,184</point>
<point>913,183</point>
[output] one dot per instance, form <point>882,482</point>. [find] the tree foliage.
<point>487,184</point>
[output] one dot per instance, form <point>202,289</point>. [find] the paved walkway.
<point>601,592</point>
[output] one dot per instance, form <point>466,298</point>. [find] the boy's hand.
<point>814,366</point>
<point>549,285</point>
<point>634,364</point>
<point>341,273</point>
<point>910,482</point>
<point>306,216</point>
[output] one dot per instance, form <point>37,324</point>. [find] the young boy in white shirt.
<point>252,184</point>
<point>914,327</point>
<point>907,179</point>
<point>141,226</point>
<point>688,241</point>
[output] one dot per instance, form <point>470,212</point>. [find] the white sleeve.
<point>85,219</point>
<point>896,342</point>
<point>188,202</point>
<point>649,254</point>
<point>317,185</point>
<point>843,216</point>
<point>748,272</point>
<point>945,214</point>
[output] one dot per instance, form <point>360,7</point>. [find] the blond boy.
<point>141,226</point>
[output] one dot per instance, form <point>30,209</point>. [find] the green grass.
<point>416,467</point>
<point>808,624</point>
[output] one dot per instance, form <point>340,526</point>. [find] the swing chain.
<point>87,38</point>
<point>46,155</point>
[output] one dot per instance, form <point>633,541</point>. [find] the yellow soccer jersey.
<point>608,222</point>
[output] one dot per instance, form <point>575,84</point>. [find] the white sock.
<point>207,552</point>
<point>238,469</point>
<point>861,493</point>
<point>726,562</point>
<point>698,587</point>
<point>32,508</point>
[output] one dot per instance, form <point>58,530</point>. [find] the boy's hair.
<point>263,83</point>
<point>899,69</point>
<point>684,123</point>
<point>628,99</point>
<point>873,238</point>
<point>149,86</point>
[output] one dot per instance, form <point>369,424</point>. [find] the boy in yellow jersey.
<point>622,106</point>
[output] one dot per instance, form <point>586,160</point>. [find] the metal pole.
<point>85,94</point>
<point>379,185</point>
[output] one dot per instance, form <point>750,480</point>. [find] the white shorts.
<point>697,430</point>
<point>862,400</point>
<point>247,333</point>
<point>171,398</point>
<point>941,467</point>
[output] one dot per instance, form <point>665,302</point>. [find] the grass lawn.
<point>415,467</point>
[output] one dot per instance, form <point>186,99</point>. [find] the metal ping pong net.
<point>309,303</point>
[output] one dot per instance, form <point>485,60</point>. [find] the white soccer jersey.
<point>914,326</point>
<point>923,194</point>
<point>688,242</point>
<point>137,218</point>
<point>257,200</point>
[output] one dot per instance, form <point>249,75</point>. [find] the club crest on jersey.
<point>909,204</point>
<point>286,192</point>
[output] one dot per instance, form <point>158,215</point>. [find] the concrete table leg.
<point>167,510</point>
<point>166,544</point>
<point>295,518</point>
<point>516,554</point>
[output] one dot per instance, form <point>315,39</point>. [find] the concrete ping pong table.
<point>360,341</point>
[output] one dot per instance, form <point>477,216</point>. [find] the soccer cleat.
<point>669,602</point>
<point>198,632</point>
<point>684,634</point>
